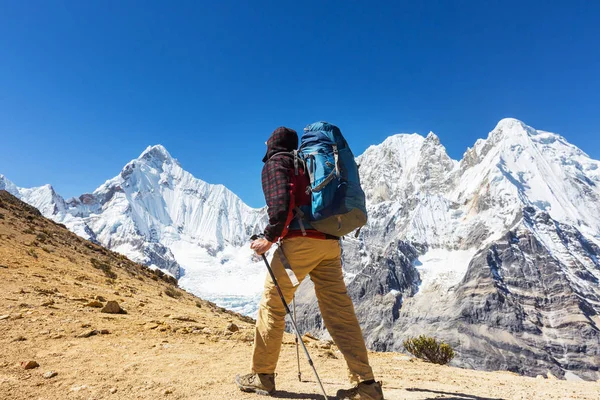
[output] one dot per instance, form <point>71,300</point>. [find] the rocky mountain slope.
<point>168,344</point>
<point>497,254</point>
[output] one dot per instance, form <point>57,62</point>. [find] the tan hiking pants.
<point>321,259</point>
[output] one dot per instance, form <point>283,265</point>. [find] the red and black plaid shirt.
<point>276,186</point>
<point>276,179</point>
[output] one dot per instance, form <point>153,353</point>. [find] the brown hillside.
<point>169,344</point>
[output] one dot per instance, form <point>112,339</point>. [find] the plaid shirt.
<point>276,187</point>
<point>276,179</point>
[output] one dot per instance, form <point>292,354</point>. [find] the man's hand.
<point>261,246</point>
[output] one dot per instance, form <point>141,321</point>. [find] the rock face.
<point>497,254</point>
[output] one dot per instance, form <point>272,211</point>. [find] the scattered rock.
<point>78,299</point>
<point>50,374</point>
<point>152,326</point>
<point>3,317</point>
<point>184,318</point>
<point>95,304</point>
<point>86,325</point>
<point>168,391</point>
<point>57,336</point>
<point>112,307</point>
<point>45,291</point>
<point>232,327</point>
<point>48,303</point>
<point>17,316</point>
<point>78,388</point>
<point>104,332</point>
<point>87,334</point>
<point>19,339</point>
<point>102,299</point>
<point>3,266</point>
<point>328,354</point>
<point>112,390</point>
<point>29,364</point>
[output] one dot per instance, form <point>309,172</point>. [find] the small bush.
<point>1,216</point>
<point>32,253</point>
<point>173,293</point>
<point>429,349</point>
<point>41,237</point>
<point>29,231</point>
<point>104,268</point>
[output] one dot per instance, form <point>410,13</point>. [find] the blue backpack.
<point>337,200</point>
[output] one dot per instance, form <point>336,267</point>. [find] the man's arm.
<point>275,182</point>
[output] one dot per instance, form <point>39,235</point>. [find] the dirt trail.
<point>170,344</point>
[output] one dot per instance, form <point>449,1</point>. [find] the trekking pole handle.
<point>257,236</point>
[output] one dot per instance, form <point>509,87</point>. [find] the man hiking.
<point>309,252</point>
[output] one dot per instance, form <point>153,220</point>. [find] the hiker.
<point>308,252</point>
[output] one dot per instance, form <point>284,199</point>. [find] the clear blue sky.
<point>85,86</point>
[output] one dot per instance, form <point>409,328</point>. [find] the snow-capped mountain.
<point>158,214</point>
<point>498,253</point>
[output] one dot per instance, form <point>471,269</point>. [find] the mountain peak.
<point>432,137</point>
<point>510,128</point>
<point>510,123</point>
<point>156,152</point>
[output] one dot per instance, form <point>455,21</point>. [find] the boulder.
<point>112,307</point>
<point>29,364</point>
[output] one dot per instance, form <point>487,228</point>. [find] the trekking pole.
<point>297,348</point>
<point>289,313</point>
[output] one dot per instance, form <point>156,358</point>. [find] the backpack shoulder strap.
<point>295,155</point>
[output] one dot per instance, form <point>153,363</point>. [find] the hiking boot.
<point>257,383</point>
<point>363,391</point>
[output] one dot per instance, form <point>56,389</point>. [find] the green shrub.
<point>104,268</point>
<point>429,349</point>
<point>173,293</point>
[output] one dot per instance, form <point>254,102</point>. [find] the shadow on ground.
<point>282,394</point>
<point>452,396</point>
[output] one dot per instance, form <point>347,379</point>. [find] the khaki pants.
<point>321,260</point>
